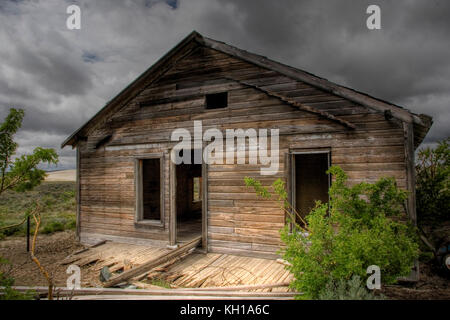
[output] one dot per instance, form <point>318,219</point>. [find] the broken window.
<point>217,100</point>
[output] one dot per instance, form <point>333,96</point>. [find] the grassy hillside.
<point>58,207</point>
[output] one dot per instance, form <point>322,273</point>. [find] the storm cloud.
<point>62,77</point>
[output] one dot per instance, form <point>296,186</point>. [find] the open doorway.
<point>188,201</point>
<point>310,181</point>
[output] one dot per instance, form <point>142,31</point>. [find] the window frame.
<point>291,174</point>
<point>139,207</point>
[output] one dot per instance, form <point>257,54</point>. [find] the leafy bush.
<point>433,183</point>
<point>352,289</point>
<point>361,226</point>
<point>52,227</point>
<point>58,204</point>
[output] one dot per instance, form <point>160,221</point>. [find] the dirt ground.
<point>52,249</point>
<point>433,284</point>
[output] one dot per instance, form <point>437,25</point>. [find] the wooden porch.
<point>188,270</point>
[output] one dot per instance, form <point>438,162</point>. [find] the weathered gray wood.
<point>239,288</point>
<point>301,106</point>
<point>205,206</point>
<point>152,263</point>
<point>234,218</point>
<point>410,170</point>
<point>78,194</point>
<point>173,204</point>
<point>160,293</point>
<point>411,185</point>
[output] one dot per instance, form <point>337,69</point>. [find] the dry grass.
<point>62,175</point>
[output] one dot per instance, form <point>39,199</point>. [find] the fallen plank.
<point>240,287</point>
<point>173,297</point>
<point>64,291</point>
<point>163,267</point>
<point>152,263</point>
<point>74,256</point>
<point>97,244</point>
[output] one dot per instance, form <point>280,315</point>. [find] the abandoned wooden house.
<point>129,190</point>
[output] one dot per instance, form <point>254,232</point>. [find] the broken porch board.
<point>205,296</point>
<point>161,293</point>
<point>239,288</point>
<point>145,267</point>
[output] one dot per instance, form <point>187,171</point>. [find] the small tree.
<point>360,227</point>
<point>433,184</point>
<point>21,174</point>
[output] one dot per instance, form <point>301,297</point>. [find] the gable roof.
<point>421,123</point>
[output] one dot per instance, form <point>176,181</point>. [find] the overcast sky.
<point>62,77</point>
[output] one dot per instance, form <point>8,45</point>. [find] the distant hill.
<point>62,175</point>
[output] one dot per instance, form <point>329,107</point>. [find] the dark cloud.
<point>62,77</point>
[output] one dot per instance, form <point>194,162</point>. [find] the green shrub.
<point>11,231</point>
<point>71,225</point>
<point>53,226</point>
<point>433,184</point>
<point>352,289</point>
<point>58,204</point>
<point>361,226</point>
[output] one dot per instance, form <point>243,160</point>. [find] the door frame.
<point>173,205</point>
<point>291,175</point>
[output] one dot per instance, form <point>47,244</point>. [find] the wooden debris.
<point>152,263</point>
<point>241,287</point>
<point>162,293</point>
<point>97,244</point>
<point>284,262</point>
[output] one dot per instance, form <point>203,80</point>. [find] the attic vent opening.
<point>216,100</point>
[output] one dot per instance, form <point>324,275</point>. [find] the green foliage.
<point>259,189</point>
<point>20,173</point>
<point>360,227</point>
<point>53,227</point>
<point>352,289</point>
<point>58,204</point>
<point>433,184</point>
<point>280,191</point>
<point>6,290</point>
<point>160,283</point>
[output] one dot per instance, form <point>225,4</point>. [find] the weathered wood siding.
<point>238,222</point>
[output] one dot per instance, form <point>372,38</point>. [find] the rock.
<point>105,274</point>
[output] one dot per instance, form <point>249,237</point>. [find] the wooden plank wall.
<point>237,221</point>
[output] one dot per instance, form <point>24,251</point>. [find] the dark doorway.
<point>310,180</point>
<point>189,201</point>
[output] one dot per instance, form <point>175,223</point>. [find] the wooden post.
<point>77,193</point>
<point>411,185</point>
<point>204,188</point>
<point>28,234</point>
<point>173,203</point>
<point>410,170</point>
